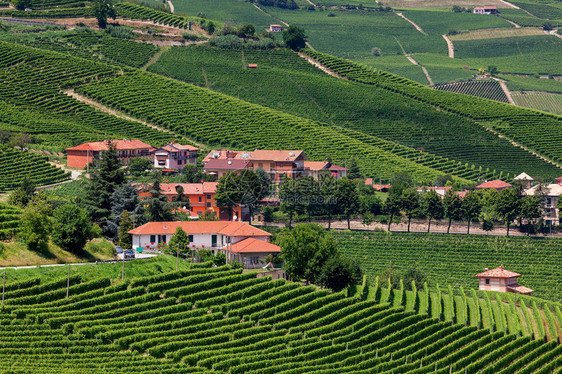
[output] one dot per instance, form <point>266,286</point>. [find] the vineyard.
<point>9,221</point>
<point>88,44</point>
<point>206,319</point>
<point>548,102</point>
<point>455,259</point>
<point>374,115</point>
<point>537,131</point>
<point>32,100</point>
<point>16,165</point>
<point>487,89</point>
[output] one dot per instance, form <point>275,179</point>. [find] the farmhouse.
<point>237,240</point>
<point>551,197</point>
<point>485,10</point>
<point>275,28</point>
<point>496,184</point>
<point>174,156</point>
<point>378,187</point>
<point>201,197</point>
<point>276,163</point>
<point>317,168</point>
<point>80,156</point>
<point>501,280</point>
<point>525,179</point>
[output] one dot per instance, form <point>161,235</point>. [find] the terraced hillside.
<point>9,220</point>
<point>529,128</point>
<point>455,259</point>
<point>289,83</point>
<point>220,320</point>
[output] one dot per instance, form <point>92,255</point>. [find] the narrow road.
<point>311,3</point>
<point>510,4</point>
<point>272,16</point>
<point>505,90</point>
<point>555,33</point>
<point>450,46</point>
<point>413,61</point>
<point>412,22</point>
<point>171,5</point>
<point>513,23</point>
<point>320,66</point>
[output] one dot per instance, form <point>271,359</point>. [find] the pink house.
<point>175,156</point>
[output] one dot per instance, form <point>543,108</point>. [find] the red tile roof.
<point>200,227</point>
<point>497,184</point>
<point>252,245</point>
<point>257,155</point>
<point>337,168</point>
<point>519,289</point>
<point>316,165</point>
<point>498,273</point>
<point>119,145</point>
<point>225,164</point>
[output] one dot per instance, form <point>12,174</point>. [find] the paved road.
<point>138,256</point>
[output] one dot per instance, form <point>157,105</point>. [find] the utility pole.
<point>68,281</point>
<point>4,287</point>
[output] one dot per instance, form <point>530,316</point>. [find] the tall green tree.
<point>36,222</point>
<point>410,204</point>
<point>530,209</point>
<point>328,189</point>
<point>354,172</point>
<point>71,228</point>
<point>252,189</point>
<point>228,192</point>
<point>289,197</point>
<point>471,206</point>
<point>126,225</point>
<point>432,207</point>
<point>105,178</point>
<point>179,243</point>
<point>305,249</point>
<point>453,207</point>
<point>103,9</point>
<point>294,37</point>
<point>125,198</point>
<point>23,194</point>
<point>347,198</point>
<point>157,207</point>
<point>338,273</point>
<point>393,204</point>
<point>507,206</point>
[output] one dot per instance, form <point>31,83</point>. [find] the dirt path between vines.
<point>412,22</point>
<point>171,5</point>
<point>450,46</point>
<point>122,115</point>
<point>517,26</point>
<point>320,66</point>
<point>505,90</point>
<point>156,56</point>
<point>555,33</point>
<point>413,61</point>
<point>271,15</point>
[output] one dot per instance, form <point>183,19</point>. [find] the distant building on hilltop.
<point>80,156</point>
<point>485,10</point>
<point>501,280</point>
<point>275,28</point>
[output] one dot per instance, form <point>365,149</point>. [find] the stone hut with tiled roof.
<point>501,280</point>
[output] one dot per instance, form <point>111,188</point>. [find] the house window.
<point>208,205</point>
<point>161,162</point>
<point>487,281</point>
<point>200,199</point>
<point>213,240</point>
<point>190,238</point>
<point>152,238</point>
<point>260,165</point>
<point>179,162</point>
<point>208,197</point>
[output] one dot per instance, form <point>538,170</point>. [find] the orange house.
<point>201,199</point>
<point>80,156</point>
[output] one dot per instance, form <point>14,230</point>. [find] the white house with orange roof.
<point>501,280</point>
<point>82,155</point>
<point>237,240</point>
<point>317,168</point>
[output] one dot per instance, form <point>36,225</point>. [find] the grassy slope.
<point>286,82</point>
<point>17,254</point>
